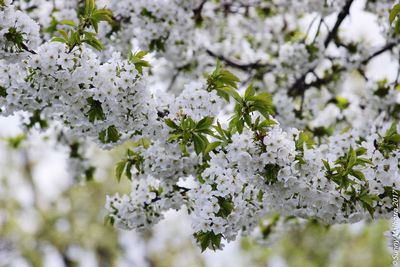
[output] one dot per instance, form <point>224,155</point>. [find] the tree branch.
<point>242,66</point>
<point>341,17</point>
<point>387,47</point>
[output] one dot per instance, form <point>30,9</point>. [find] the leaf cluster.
<point>345,167</point>
<point>109,135</point>
<point>132,159</point>
<point>189,132</point>
<point>208,240</point>
<point>389,142</point>
<point>78,33</point>
<point>222,81</point>
<point>137,60</point>
<point>248,104</point>
<point>394,17</point>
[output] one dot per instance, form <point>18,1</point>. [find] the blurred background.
<point>49,218</point>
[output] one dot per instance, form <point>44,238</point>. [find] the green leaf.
<point>361,151</point>
<point>228,78</point>
<point>394,13</point>
<point>119,169</point>
<point>171,124</point>
<point>358,174</point>
<point>271,172</point>
<point>95,112</point>
<point>89,7</point>
<point>240,126</point>
<point>224,82</point>
<point>326,164</point>
<point>364,161</point>
<point>199,143</point>
<point>16,141</point>
<point>226,207</point>
<point>89,173</point>
<point>67,22</point>
<point>137,60</point>
<point>211,146</point>
<point>204,123</point>
<point>95,24</point>
<point>250,91</point>
<point>59,39</point>
<point>174,137</point>
<point>102,15</point>
<point>230,92</point>
<point>267,123</point>
<point>304,138</point>
<point>63,34</point>
<point>109,135</point>
<point>208,240</point>
<point>263,104</point>
<point>352,158</point>
<point>93,41</point>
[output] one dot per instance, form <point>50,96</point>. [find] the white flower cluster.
<point>195,102</point>
<point>295,57</point>
<point>18,32</point>
<point>104,101</point>
<point>164,26</point>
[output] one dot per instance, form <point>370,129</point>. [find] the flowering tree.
<point>239,112</point>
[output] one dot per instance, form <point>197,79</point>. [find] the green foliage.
<point>78,35</point>
<point>109,135</point>
<point>248,104</point>
<point>3,92</point>
<point>224,135</point>
<point>365,199</point>
<point>226,207</point>
<point>389,142</point>
<point>146,13</point>
<point>208,240</point>
<point>394,17</point>
<point>96,111</point>
<point>345,167</point>
<point>137,60</point>
<point>158,44</point>
<point>15,39</point>
<point>270,173</point>
<point>36,119</point>
<point>16,141</point>
<point>190,132</point>
<point>305,138</point>
<point>223,82</point>
<point>349,166</point>
<point>266,229</point>
<point>383,88</point>
<point>340,102</point>
<point>133,159</point>
<point>313,51</point>
<point>322,131</point>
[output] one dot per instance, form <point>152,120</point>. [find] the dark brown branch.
<point>298,88</point>
<point>341,17</point>
<point>387,47</point>
<point>300,84</point>
<point>197,16</point>
<point>242,66</point>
